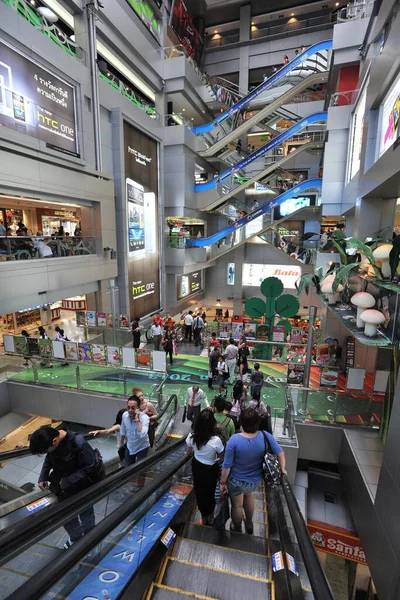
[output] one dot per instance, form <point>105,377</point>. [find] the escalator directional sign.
<point>277,562</point>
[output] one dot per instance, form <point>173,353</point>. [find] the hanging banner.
<point>336,540</point>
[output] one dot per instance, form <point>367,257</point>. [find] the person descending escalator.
<point>71,465</point>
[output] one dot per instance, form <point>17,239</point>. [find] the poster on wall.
<point>20,344</point>
<point>113,356</point>
<point>80,318</point>
<point>190,38</point>
<point>390,118</point>
<point>101,319</point>
<point>188,284</point>
<point>71,350</point>
<point>295,374</point>
<point>33,346</point>
<point>84,351</point>
<point>254,274</point>
<point>296,335</point>
<point>45,348</point>
<point>109,321</point>
<point>91,318</point>
<point>278,333</point>
<point>143,358</point>
<point>98,354</point>
<point>262,332</point>
<point>35,102</point>
<point>148,15</point>
<point>250,330</point>
<point>141,172</point>
<point>237,330</point>
<point>329,376</point>
<point>225,330</point>
<point>230,274</point>
<point>124,322</point>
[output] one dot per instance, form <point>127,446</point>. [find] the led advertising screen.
<point>389,118</point>
<point>36,102</point>
<point>182,24</point>
<point>148,15</point>
<point>141,173</point>
<point>356,138</point>
<point>188,285</point>
<point>253,275</point>
<point>290,206</point>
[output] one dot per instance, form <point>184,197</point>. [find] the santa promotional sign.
<point>336,540</point>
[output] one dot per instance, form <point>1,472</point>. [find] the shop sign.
<point>390,118</point>
<point>35,102</point>
<point>254,274</point>
<point>336,540</point>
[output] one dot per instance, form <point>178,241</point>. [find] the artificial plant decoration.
<point>285,305</point>
<point>394,256</point>
<point>305,281</point>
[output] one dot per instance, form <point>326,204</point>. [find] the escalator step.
<point>160,592</point>
<point>224,559</point>
<point>247,543</point>
<point>214,584</point>
<point>258,517</point>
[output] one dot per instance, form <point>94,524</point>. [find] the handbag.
<point>271,468</point>
<point>221,513</point>
<point>184,414</point>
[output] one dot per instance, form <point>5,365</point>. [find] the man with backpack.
<point>226,427</point>
<point>71,465</point>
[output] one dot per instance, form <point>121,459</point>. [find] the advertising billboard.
<point>356,136</point>
<point>389,118</point>
<point>141,183</point>
<point>36,102</point>
<point>182,24</point>
<point>148,15</point>
<point>253,275</point>
<point>187,285</point>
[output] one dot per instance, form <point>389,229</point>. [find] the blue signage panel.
<point>109,577</point>
<point>279,139</point>
<point>264,86</point>
<point>304,185</point>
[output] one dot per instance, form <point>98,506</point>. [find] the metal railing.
<point>354,11</point>
<point>34,247</point>
<point>343,98</point>
<point>130,94</point>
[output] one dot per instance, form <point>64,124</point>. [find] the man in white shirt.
<point>231,355</point>
<point>188,326</point>
<point>194,398</point>
<point>156,333</point>
<point>134,431</point>
<point>198,325</point>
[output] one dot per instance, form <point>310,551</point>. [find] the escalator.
<point>25,505</point>
<point>240,228</point>
<point>148,543</point>
<point>260,152</point>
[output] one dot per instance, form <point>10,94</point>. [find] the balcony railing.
<point>36,247</point>
<point>343,98</point>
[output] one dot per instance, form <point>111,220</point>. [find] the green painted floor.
<point>356,408</point>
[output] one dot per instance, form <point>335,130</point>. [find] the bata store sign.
<point>253,275</point>
<point>335,540</point>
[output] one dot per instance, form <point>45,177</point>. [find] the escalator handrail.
<point>19,536</point>
<point>40,583</point>
<point>319,583</point>
<point>21,452</point>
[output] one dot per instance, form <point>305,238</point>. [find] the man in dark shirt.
<point>71,465</point>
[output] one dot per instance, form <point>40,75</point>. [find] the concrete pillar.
<point>244,36</point>
<point>373,215</point>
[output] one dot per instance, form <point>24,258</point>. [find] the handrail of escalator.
<point>319,583</point>
<point>21,535</point>
<point>21,452</point>
<point>46,578</point>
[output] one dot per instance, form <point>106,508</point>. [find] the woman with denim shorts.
<point>242,467</point>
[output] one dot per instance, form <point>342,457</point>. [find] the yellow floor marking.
<point>226,572</point>
<point>161,573</point>
<point>219,547</point>
<point>175,436</point>
<point>10,570</point>
<point>182,591</point>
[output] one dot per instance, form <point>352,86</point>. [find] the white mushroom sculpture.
<point>371,318</point>
<point>381,253</point>
<point>326,288</point>
<point>362,300</point>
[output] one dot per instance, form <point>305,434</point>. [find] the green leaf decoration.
<point>271,287</point>
<point>270,307</point>
<point>361,247</point>
<point>287,305</point>
<point>286,324</point>
<point>394,256</point>
<point>342,273</point>
<point>255,308</point>
<point>337,234</point>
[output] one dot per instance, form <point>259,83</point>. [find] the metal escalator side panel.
<point>270,82</point>
<point>279,139</point>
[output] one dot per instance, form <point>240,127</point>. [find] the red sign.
<point>336,540</point>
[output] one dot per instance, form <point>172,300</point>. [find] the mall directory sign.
<point>141,186</point>
<point>36,102</point>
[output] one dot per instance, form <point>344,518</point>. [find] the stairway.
<point>208,564</point>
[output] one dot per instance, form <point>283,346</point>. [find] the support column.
<point>244,36</point>
<point>91,9</point>
<point>372,215</point>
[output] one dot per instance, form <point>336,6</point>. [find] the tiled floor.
<point>368,451</point>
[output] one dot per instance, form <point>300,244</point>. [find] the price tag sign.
<point>277,562</point>
<point>168,537</point>
<point>292,564</point>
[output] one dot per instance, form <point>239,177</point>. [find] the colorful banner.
<point>46,348</point>
<point>33,346</point>
<point>262,332</point>
<point>91,318</point>
<point>278,333</point>
<point>113,356</point>
<point>336,540</point>
<point>190,38</point>
<point>101,319</point>
<point>250,330</point>
<point>98,354</point>
<point>85,352</point>
<point>124,322</point>
<point>329,376</point>
<point>225,330</point>
<point>21,346</point>
<point>143,358</point>
<point>109,321</point>
<point>80,318</point>
<point>296,335</point>
<point>124,558</point>
<point>295,374</point>
<point>237,330</point>
<point>71,350</point>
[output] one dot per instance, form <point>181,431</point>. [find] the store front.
<point>49,221</point>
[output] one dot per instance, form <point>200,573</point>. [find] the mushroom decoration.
<point>371,318</point>
<point>381,253</point>
<point>326,288</point>
<point>362,300</point>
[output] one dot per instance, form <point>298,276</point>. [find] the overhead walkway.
<point>132,553</point>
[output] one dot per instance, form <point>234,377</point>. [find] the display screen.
<point>36,102</point>
<point>357,125</point>
<point>188,284</point>
<point>148,15</point>
<point>389,118</point>
<point>230,274</point>
<point>254,275</point>
<point>182,24</point>
<point>290,206</point>
<point>141,172</point>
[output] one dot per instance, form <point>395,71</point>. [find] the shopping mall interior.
<point>176,174</point>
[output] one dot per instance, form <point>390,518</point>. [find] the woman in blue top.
<point>242,468</point>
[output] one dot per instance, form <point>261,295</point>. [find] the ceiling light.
<point>183,109</point>
<point>192,118</point>
<point>292,15</point>
<point>215,31</point>
<point>337,4</point>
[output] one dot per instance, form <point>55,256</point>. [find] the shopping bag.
<point>271,468</point>
<point>221,513</point>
